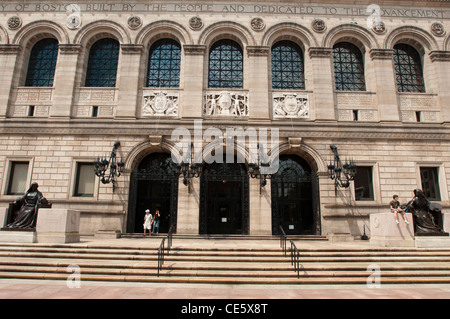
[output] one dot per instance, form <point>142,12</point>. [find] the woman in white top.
<point>148,222</point>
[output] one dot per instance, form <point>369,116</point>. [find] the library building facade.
<point>235,117</point>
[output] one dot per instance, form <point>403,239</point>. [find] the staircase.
<point>213,261</point>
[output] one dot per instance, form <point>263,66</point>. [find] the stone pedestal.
<point>432,241</point>
<point>107,234</point>
<point>446,222</point>
<point>385,232</point>
<point>3,214</point>
<point>18,236</point>
<point>58,226</point>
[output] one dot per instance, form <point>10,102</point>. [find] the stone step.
<point>229,279</point>
<point>217,262</point>
<point>208,265</point>
<point>211,272</point>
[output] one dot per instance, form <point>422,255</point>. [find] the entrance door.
<point>153,186</point>
<point>224,199</point>
<point>224,207</point>
<point>295,198</point>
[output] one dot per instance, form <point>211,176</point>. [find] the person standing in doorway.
<point>148,220</point>
<point>156,219</point>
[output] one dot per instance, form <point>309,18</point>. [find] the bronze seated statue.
<point>427,216</point>
<point>22,213</point>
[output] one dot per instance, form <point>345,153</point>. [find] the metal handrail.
<point>162,248</point>
<point>283,239</point>
<point>295,258</point>
<point>161,255</point>
<point>294,252</point>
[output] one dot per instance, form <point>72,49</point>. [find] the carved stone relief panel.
<point>160,103</point>
<point>290,105</point>
<point>26,95</point>
<point>38,110</point>
<point>225,103</point>
<point>97,95</point>
<point>103,111</point>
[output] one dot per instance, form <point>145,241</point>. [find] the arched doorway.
<point>295,198</point>
<point>153,185</point>
<point>224,199</point>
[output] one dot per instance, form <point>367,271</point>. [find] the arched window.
<point>102,64</point>
<point>408,69</point>
<point>226,67</point>
<point>42,64</point>
<point>164,64</point>
<point>287,66</point>
<point>348,67</point>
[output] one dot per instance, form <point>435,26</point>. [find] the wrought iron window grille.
<point>102,64</point>
<point>287,66</point>
<point>164,64</point>
<point>408,69</point>
<point>42,63</point>
<point>348,67</point>
<point>226,67</point>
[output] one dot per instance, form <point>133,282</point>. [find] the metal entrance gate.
<point>153,185</point>
<point>224,199</point>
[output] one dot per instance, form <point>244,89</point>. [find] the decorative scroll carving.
<point>160,103</point>
<point>290,105</point>
<point>225,103</point>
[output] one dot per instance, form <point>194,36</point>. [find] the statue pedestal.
<point>432,241</point>
<point>385,232</point>
<point>18,236</point>
<point>446,222</point>
<point>58,226</point>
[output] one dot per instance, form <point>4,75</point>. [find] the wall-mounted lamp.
<point>342,174</point>
<point>115,168</point>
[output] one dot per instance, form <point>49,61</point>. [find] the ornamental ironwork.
<point>348,67</point>
<point>287,66</point>
<point>408,69</point>
<point>103,62</point>
<point>226,66</point>
<point>41,68</point>
<point>164,64</point>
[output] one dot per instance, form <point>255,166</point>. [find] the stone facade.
<point>386,135</point>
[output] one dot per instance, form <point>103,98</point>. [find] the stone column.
<point>386,87</point>
<point>64,81</point>
<point>322,83</point>
<point>8,59</point>
<point>260,208</point>
<point>128,97</point>
<point>188,212</point>
<point>191,105</point>
<point>259,82</point>
<point>441,63</point>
